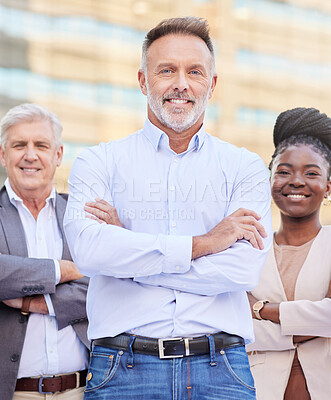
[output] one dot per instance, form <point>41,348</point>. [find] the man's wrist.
<point>199,246</point>
<point>25,309</point>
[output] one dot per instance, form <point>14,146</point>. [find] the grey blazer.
<point>21,276</point>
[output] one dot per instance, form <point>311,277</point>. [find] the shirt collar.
<point>14,198</point>
<point>156,135</point>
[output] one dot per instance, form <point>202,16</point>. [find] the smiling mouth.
<point>178,101</point>
<point>296,196</point>
<point>29,169</point>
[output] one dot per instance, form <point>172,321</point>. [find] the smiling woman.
<point>291,306</point>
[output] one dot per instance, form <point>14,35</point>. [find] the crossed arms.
<point>227,258</point>
<point>287,324</point>
<point>21,276</point>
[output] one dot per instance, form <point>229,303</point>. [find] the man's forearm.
<point>241,224</point>
<point>37,304</point>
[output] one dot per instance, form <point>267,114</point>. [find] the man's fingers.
<point>95,219</point>
<point>249,220</point>
<point>96,212</point>
<point>245,212</point>
<point>250,237</point>
<point>251,234</point>
<point>103,211</point>
<point>99,206</point>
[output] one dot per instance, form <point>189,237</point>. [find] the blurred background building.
<point>80,59</point>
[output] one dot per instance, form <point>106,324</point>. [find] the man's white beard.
<point>180,120</point>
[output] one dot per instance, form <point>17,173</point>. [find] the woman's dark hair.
<point>305,126</point>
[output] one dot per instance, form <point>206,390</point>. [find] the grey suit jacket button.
<point>14,357</point>
<point>22,319</point>
<point>42,289</point>
<point>25,289</point>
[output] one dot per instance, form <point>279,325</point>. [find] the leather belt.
<point>52,384</point>
<point>170,347</point>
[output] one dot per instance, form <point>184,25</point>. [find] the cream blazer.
<point>271,355</point>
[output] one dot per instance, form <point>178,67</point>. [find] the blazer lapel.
<point>270,285</point>
<point>60,208</point>
<point>12,226</point>
<point>314,277</point>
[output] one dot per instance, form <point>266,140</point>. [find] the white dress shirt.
<point>142,278</point>
<point>46,351</point>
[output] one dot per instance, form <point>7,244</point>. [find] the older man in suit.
<point>43,345</point>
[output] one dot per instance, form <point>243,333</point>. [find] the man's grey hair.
<point>187,26</point>
<point>29,112</point>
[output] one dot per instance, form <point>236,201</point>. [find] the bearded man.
<point>173,227</point>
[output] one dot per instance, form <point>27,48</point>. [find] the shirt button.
<point>172,188</point>
<point>176,160</point>
<point>173,224</point>
<point>177,267</point>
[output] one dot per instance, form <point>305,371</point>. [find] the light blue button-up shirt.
<point>143,280</point>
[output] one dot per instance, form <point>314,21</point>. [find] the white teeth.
<point>178,101</point>
<point>30,169</point>
<point>296,196</point>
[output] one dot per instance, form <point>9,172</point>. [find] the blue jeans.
<point>121,375</point>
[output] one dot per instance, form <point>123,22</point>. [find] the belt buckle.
<point>180,339</point>
<point>40,385</point>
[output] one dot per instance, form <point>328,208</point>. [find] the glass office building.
<point>80,59</point>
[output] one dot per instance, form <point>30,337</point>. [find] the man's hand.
<point>37,305</point>
<point>242,224</point>
<point>69,271</point>
<point>102,212</point>
<point>14,303</point>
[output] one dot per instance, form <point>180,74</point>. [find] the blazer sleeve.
<point>22,276</point>
<point>69,302</point>
<point>305,317</point>
<point>268,337</point>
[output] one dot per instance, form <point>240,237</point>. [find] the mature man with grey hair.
<point>187,231</point>
<point>43,347</point>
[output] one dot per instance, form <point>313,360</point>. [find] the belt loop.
<point>212,350</point>
<point>130,363</point>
